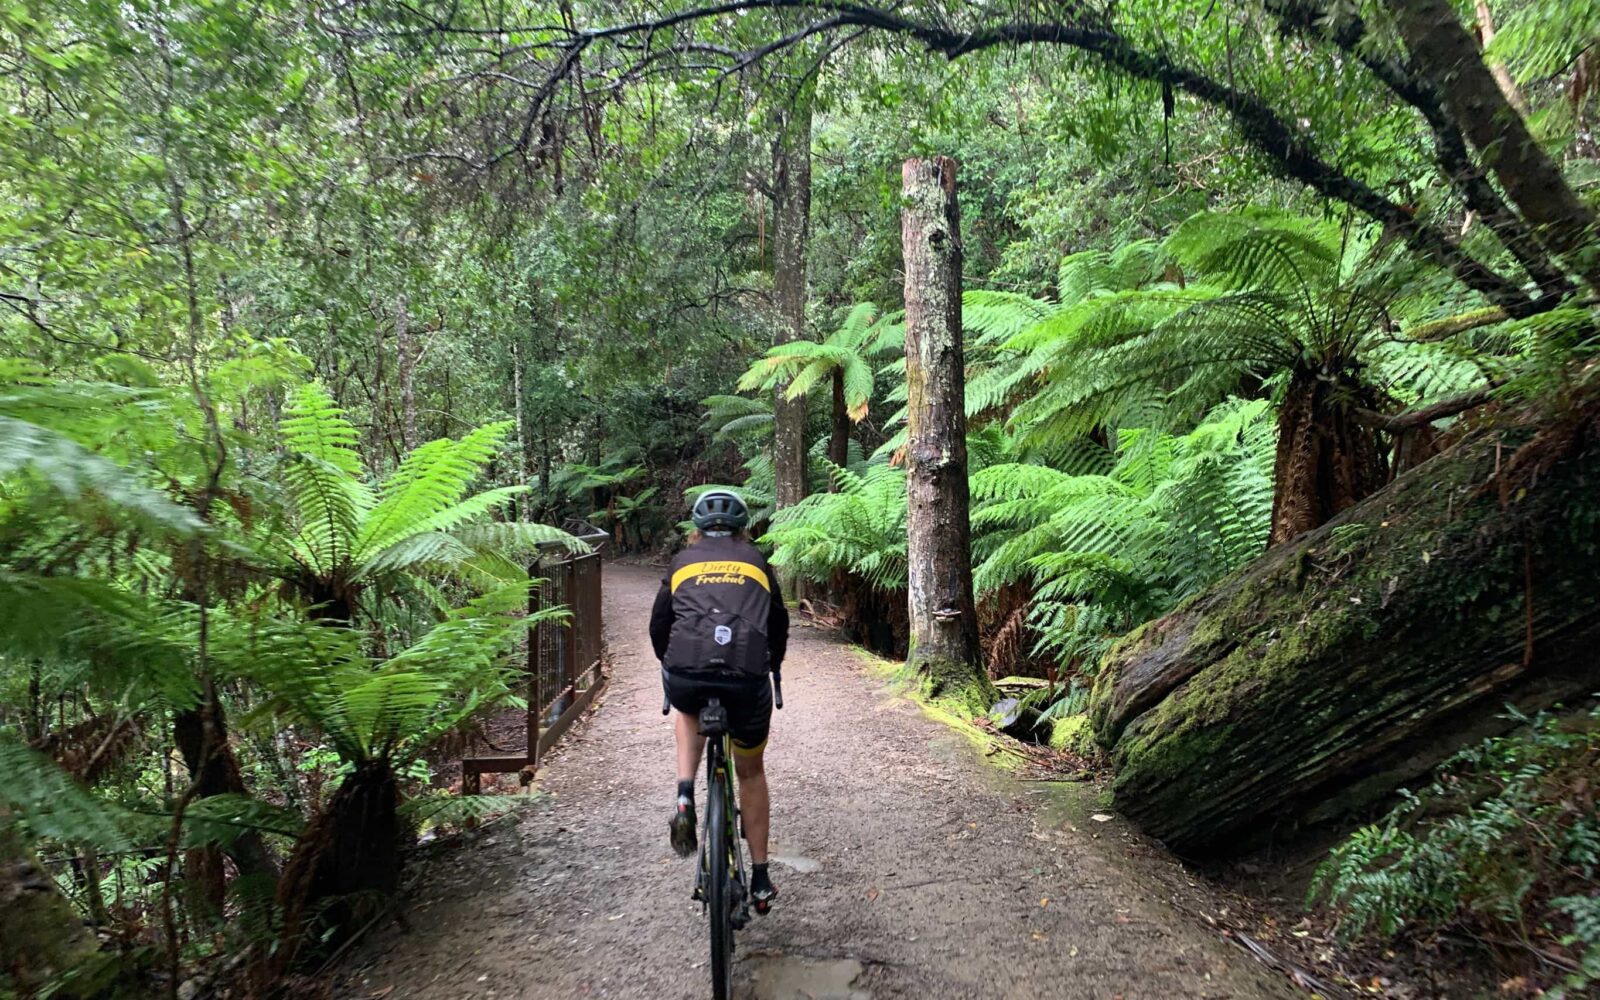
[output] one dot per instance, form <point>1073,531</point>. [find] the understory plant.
<point>1503,847</point>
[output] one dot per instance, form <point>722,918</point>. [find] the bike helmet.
<point>720,510</point>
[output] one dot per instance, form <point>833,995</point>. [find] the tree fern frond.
<point>430,479</point>
<point>35,790</point>
<point>74,473</point>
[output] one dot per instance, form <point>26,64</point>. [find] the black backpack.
<point>721,599</point>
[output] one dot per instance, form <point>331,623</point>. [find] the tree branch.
<point>1422,415</point>
<point>1348,32</point>
<point>1288,151</point>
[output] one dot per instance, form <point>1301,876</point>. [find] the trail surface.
<point>908,867</point>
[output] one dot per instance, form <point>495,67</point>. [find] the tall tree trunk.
<point>405,343</point>
<point>839,439</point>
<point>1447,54</point>
<point>791,185</point>
<point>546,462</point>
<point>524,439</point>
<point>1502,75</point>
<point>944,618</point>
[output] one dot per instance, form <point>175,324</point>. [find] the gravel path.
<point>908,868</point>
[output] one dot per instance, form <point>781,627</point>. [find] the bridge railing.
<point>563,659</point>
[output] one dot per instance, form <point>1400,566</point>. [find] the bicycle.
<point>721,883</point>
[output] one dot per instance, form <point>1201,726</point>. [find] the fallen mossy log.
<point>1352,660</point>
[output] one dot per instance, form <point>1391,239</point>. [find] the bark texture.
<point>405,343</point>
<point>839,423</point>
<point>346,867</point>
<point>1325,461</point>
<point>41,937</point>
<point>1334,669</point>
<point>791,186</point>
<point>944,619</point>
<point>1446,53</point>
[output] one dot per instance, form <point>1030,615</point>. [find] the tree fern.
<point>342,534</point>
<point>800,366</point>
<point>1172,514</point>
<point>860,528</point>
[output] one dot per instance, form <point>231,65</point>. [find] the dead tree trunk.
<point>791,186</point>
<point>1346,663</point>
<point>944,619</point>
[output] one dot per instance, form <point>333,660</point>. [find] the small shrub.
<point>1503,847</point>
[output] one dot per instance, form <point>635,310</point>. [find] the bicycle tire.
<point>719,891</point>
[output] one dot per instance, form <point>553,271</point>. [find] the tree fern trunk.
<point>201,736</point>
<point>944,619</point>
<point>346,866</point>
<point>1326,461</point>
<point>839,438</point>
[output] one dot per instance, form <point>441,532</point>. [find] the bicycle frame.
<point>721,883</point>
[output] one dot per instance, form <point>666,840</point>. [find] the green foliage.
<point>1268,294</point>
<point>1102,552</point>
<point>369,707</point>
<point>860,529</point>
<point>342,535</point>
<point>801,366</point>
<point>1505,843</point>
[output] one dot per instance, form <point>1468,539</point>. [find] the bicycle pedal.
<point>763,907</point>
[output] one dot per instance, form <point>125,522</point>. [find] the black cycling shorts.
<point>747,699</point>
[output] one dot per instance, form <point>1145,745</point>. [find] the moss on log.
<point>1352,660</point>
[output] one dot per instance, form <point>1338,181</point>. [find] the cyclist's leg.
<point>687,699</point>
<point>750,729</point>
<point>686,731</point>
<point>755,804</point>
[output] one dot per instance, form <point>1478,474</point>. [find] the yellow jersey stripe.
<point>722,571</point>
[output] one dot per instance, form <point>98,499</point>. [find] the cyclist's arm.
<point>777,626</point>
<point>661,621</point>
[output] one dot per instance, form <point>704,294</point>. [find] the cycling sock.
<point>758,876</point>
<point>686,790</point>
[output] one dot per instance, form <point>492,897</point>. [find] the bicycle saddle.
<point>713,720</point>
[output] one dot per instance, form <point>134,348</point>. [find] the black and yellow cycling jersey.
<point>717,610</point>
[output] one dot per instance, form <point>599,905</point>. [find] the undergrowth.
<point>1503,848</point>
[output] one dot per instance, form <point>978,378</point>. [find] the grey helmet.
<point>720,510</point>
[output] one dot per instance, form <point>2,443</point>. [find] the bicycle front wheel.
<point>719,890</point>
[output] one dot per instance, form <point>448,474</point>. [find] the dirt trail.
<point>907,866</point>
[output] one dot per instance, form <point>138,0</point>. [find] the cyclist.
<point>718,627</point>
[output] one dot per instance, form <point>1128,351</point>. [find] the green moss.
<point>1074,735</point>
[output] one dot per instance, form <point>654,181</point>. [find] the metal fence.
<point>563,664</point>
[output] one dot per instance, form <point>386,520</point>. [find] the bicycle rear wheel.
<point>719,889</point>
